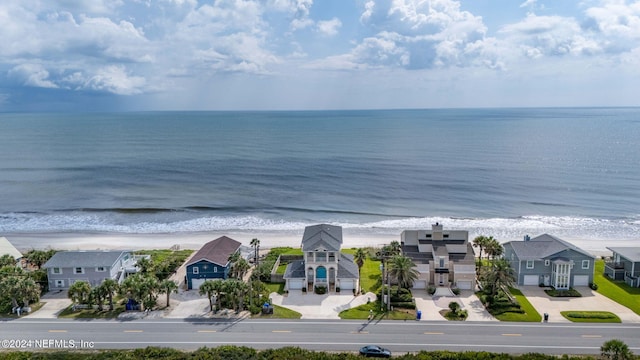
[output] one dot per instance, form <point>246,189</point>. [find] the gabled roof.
<point>7,248</point>
<point>68,259</point>
<point>628,252</point>
<point>322,236</point>
<point>216,251</point>
<point>347,268</point>
<point>543,246</point>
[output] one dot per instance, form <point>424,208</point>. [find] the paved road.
<point>332,335</point>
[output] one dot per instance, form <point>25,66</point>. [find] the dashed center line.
<point>281,331</point>
<point>434,333</point>
<point>591,336</point>
<point>206,331</point>
<point>57,331</point>
<point>511,334</point>
<point>133,331</point>
<point>359,332</point>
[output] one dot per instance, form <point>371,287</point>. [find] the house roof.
<point>543,246</point>
<point>328,237</point>
<point>216,251</point>
<point>7,247</point>
<point>295,270</point>
<point>629,253</point>
<point>67,259</point>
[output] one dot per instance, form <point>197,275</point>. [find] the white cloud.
<point>115,79</point>
<point>329,27</point>
<point>528,3</point>
<point>32,75</point>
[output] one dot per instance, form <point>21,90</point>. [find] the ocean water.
<point>572,172</point>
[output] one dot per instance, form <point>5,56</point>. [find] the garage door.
<point>346,285</point>
<point>296,284</point>
<point>195,283</point>
<point>464,285</point>
<point>531,280</point>
<point>581,280</point>
<point>420,284</point>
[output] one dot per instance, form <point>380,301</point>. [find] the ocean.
<point>571,172</point>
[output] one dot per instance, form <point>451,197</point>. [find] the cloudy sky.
<point>78,55</point>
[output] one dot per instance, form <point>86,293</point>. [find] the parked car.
<point>375,351</point>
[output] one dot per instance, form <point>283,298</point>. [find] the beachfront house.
<point>624,265</point>
<point>549,261</point>
<point>211,262</point>
<point>442,257</point>
<point>322,264</point>
<point>66,267</point>
<point>6,247</point>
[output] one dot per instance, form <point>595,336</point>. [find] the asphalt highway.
<point>327,335</point>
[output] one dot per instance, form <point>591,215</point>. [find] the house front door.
<point>442,279</point>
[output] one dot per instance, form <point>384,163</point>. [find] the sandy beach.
<point>194,240</point>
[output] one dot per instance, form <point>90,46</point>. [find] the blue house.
<point>211,261</point>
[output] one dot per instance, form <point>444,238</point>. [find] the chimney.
<point>527,238</point>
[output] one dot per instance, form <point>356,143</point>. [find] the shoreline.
<point>194,240</point>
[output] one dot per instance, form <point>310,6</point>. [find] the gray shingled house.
<point>66,267</point>
<point>550,261</point>
<point>624,265</point>
<point>323,264</point>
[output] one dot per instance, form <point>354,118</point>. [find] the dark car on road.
<point>375,351</point>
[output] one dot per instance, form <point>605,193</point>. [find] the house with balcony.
<point>549,261</point>
<point>66,267</point>
<point>322,263</point>
<point>442,257</point>
<point>624,265</point>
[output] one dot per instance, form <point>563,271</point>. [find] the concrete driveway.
<point>55,302</point>
<point>430,305</point>
<point>590,301</point>
<point>314,306</point>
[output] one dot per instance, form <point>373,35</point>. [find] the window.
<point>56,271</point>
<point>101,269</point>
<point>196,270</point>
<point>215,269</point>
<point>585,264</point>
<point>441,261</point>
<point>529,264</point>
<point>59,283</point>
<point>547,262</point>
<point>78,270</point>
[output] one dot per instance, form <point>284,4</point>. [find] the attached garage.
<point>531,280</point>
<point>296,284</point>
<point>420,284</point>
<point>581,280</point>
<point>347,284</point>
<point>195,283</point>
<point>464,284</point>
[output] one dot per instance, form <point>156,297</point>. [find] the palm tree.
<point>493,248</point>
<point>144,264</point>
<point>360,257</point>
<point>98,295</point>
<point>79,292</point>
<point>240,268</point>
<point>37,258</point>
<point>110,287</point>
<point>615,349</point>
<point>402,268</point>
<point>255,243</point>
<point>142,288</point>
<point>395,248</point>
<point>499,276</point>
<point>211,288</point>
<point>480,242</point>
<point>167,287</point>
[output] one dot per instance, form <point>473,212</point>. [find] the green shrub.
<point>404,305</point>
<point>319,289</point>
<point>593,286</point>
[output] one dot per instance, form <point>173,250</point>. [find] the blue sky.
<point>76,55</point>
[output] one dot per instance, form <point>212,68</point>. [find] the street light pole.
<point>382,282</point>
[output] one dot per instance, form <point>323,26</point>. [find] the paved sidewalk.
<point>590,301</point>
<point>314,306</point>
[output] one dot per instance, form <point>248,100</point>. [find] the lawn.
<point>370,272</point>
<point>362,313</point>
<point>591,316</point>
<point>274,287</point>
<point>617,291</point>
<point>280,312</point>
<point>530,313</point>
<point>68,313</point>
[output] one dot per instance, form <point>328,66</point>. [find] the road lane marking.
<point>57,331</point>
<point>434,333</point>
<point>133,331</point>
<point>591,336</point>
<point>511,334</point>
<point>206,331</point>
<point>281,331</point>
<point>359,332</point>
